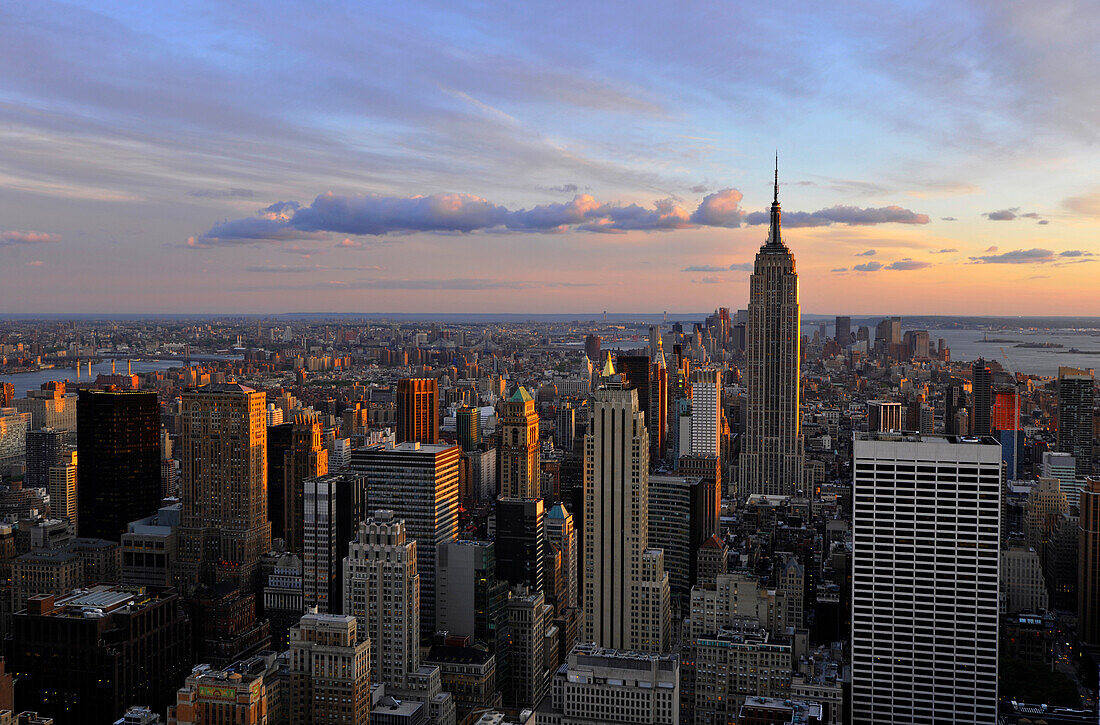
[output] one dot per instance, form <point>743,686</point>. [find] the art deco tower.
<point>772,450</point>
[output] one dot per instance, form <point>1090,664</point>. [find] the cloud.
<point>994,248</point>
<point>851,215</point>
<point>868,267</point>
<point>222,193</point>
<point>1004,215</point>
<point>1076,253</point>
<point>565,189</point>
<point>377,215</point>
<point>348,243</point>
<point>840,269</point>
<point>949,250</point>
<point>699,189</point>
<point>1044,221</point>
<point>720,209</point>
<point>1017,256</point>
<point>948,219</point>
<point>284,268</point>
<point>735,267</point>
<point>12,238</point>
<point>35,263</point>
<point>868,253</point>
<point>906,265</point>
<point>709,280</point>
<point>1086,204</point>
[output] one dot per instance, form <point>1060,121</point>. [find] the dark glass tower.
<point>982,421</point>
<point>118,446</point>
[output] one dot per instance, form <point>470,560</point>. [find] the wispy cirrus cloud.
<point>735,267</point>
<point>377,215</point>
<point>1016,256</point>
<point>1086,204</point>
<point>949,250</point>
<point>867,253</point>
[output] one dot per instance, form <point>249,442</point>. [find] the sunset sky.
<point>935,157</point>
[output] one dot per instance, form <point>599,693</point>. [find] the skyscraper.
<point>1075,416</point>
<point>118,440</point>
<point>418,410</point>
<point>843,333</point>
<point>1088,563</point>
<point>519,447</point>
<point>419,484</point>
<point>561,534</point>
<point>925,598</point>
<point>61,484</point>
<point>294,453</point>
<point>468,426</point>
<point>981,415</point>
<point>329,671</point>
<point>565,426</point>
<point>382,591</point>
<point>706,413</point>
<point>44,449</point>
<point>772,449</point>
<point>224,528</point>
<point>626,589</point>
<point>521,541</point>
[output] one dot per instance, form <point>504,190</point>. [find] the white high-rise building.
<point>706,412</point>
<point>925,579</point>
<point>382,591</point>
<point>626,589</point>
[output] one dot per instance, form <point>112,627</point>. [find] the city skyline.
<point>369,158</point>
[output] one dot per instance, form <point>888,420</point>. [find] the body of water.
<point>33,380</point>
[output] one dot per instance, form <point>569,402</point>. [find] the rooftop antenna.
<point>776,197</point>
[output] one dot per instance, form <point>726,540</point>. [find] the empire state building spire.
<point>774,240</point>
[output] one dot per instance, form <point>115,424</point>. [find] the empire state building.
<point>772,450</point>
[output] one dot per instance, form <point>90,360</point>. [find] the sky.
<point>253,157</point>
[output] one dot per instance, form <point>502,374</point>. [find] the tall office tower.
<point>529,618</point>
<point>772,450</point>
<point>954,402</point>
<point>889,331</point>
<point>468,425</point>
<point>883,416</point>
<point>382,591</point>
<point>562,536</point>
<point>657,414</point>
<point>294,453</point>
<point>320,577</point>
<point>418,410</point>
<point>45,447</point>
<point>565,426</point>
<point>521,542</point>
<point>472,600</point>
<point>924,605</point>
<point>61,484</point>
<point>592,347</point>
<point>118,480</point>
<point>636,371</point>
<point>626,590</point>
<point>519,447</point>
<point>683,515</point>
<point>329,671</point>
<point>1088,563</point>
<point>1075,416</point>
<point>706,413</point>
<point>1063,466</point>
<point>981,414</point>
<point>223,524</point>
<point>419,484</point>
<point>843,334</point>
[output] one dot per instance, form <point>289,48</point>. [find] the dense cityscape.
<point>747,518</point>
